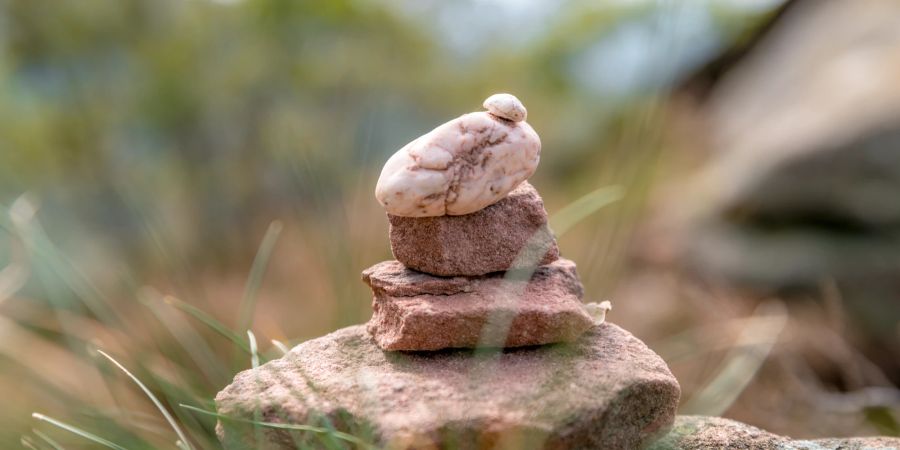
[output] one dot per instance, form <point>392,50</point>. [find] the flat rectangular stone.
<point>415,311</point>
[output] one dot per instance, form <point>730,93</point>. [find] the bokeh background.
<point>176,172</point>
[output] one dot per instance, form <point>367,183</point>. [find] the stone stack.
<point>492,278</point>
<point>476,267</point>
<point>477,264</point>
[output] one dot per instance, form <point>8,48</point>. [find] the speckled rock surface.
<point>702,433</point>
<point>509,234</point>
<point>414,311</point>
<point>459,167</point>
<point>607,391</point>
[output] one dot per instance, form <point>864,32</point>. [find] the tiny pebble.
<point>506,106</point>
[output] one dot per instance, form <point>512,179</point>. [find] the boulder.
<point>607,390</point>
<point>415,311</point>
<point>701,433</point>
<point>509,234</point>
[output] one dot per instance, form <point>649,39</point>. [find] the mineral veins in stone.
<point>459,167</point>
<point>415,312</point>
<point>509,234</point>
<point>605,391</point>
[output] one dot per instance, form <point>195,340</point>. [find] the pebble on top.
<point>506,106</point>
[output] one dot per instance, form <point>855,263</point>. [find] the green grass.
<point>187,431</point>
<point>183,441</point>
<point>292,427</point>
<point>78,431</point>
<point>189,426</point>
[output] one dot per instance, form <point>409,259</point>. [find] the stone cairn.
<point>479,338</point>
<point>477,265</point>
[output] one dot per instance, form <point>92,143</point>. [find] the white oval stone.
<point>459,167</point>
<point>506,106</point>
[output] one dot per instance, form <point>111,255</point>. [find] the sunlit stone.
<point>459,167</point>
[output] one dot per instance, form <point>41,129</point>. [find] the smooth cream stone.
<point>459,167</point>
<point>506,106</point>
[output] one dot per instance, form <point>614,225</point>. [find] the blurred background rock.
<point>803,191</point>
<point>147,147</point>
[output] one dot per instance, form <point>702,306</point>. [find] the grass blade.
<point>257,271</point>
<point>186,335</point>
<point>27,443</point>
<point>281,346</point>
<point>741,363</point>
<point>12,278</point>
<point>254,362</point>
<point>208,320</point>
<point>75,430</point>
<point>50,441</point>
<point>254,353</point>
<point>153,398</point>
<point>284,426</point>
<point>580,209</point>
<point>23,224</point>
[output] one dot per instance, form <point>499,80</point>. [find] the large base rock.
<point>509,234</point>
<point>606,391</point>
<point>416,311</point>
<point>702,433</point>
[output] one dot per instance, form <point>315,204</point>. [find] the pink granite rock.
<point>511,233</point>
<point>415,311</point>
<point>605,391</point>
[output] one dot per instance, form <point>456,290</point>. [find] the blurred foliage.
<point>157,139</point>
<point>203,112</point>
<point>212,115</point>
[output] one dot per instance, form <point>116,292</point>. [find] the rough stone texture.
<point>607,391</point>
<point>415,311</point>
<point>702,433</point>
<point>511,233</point>
<point>459,167</point>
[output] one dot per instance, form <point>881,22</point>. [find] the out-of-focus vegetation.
<point>149,147</point>
<point>207,118</point>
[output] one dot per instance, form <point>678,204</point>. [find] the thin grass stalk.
<point>209,321</point>
<point>580,209</point>
<point>281,346</point>
<point>257,272</point>
<point>78,431</point>
<point>50,441</point>
<point>162,409</point>
<point>283,426</point>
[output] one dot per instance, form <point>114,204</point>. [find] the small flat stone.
<point>414,311</point>
<point>509,234</point>
<point>701,433</point>
<point>607,390</point>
